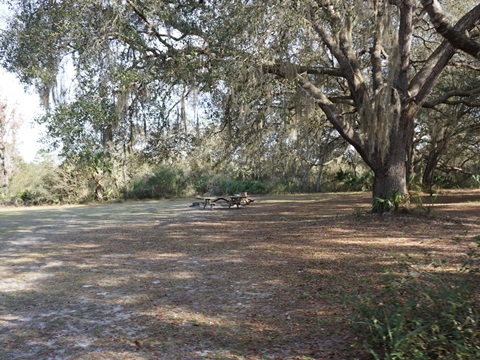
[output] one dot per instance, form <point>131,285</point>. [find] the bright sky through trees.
<point>27,105</point>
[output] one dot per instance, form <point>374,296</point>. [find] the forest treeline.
<point>44,181</point>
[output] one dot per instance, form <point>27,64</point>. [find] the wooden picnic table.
<point>237,199</point>
<point>231,200</point>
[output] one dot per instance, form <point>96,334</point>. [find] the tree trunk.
<point>438,147</point>
<point>430,167</point>
<point>390,180</point>
<point>390,173</point>
<point>305,177</point>
<point>3,157</point>
<point>3,169</point>
<point>319,177</point>
<point>97,178</point>
<point>390,183</point>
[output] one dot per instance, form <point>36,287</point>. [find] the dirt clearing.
<point>160,280</point>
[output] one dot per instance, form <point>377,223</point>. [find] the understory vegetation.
<point>45,182</point>
<point>430,311</point>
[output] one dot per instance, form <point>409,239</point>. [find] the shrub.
<point>34,196</point>
<point>219,185</point>
<point>348,181</point>
<point>136,190</point>
<point>278,188</point>
<point>392,203</point>
<point>456,180</point>
<point>44,182</point>
<point>424,316</point>
<point>163,183</point>
<point>29,197</point>
<point>252,187</point>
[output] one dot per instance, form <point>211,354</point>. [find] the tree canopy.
<point>254,74</point>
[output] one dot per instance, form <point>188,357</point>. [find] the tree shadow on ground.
<point>159,280</point>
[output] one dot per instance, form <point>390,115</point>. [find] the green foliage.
<point>346,180</point>
<point>279,188</point>
<point>219,185</point>
<point>425,315</point>
<point>29,184</point>
<point>459,179</point>
<point>31,196</point>
<point>45,182</point>
<point>426,206</point>
<point>165,182</point>
<point>392,203</point>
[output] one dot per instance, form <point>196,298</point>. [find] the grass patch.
<point>430,311</point>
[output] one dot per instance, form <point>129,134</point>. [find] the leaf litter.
<point>274,280</point>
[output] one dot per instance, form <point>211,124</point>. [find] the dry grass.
<point>159,280</point>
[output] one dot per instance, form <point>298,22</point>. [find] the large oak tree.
<point>370,49</point>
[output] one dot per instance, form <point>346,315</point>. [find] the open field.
<point>160,280</point>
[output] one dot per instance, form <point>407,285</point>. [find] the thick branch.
<point>346,59</point>
<point>457,38</point>
<point>282,70</point>
<point>444,99</point>
<point>376,52</point>
<point>151,26</point>
<point>340,124</point>
<point>422,84</point>
<point>404,45</point>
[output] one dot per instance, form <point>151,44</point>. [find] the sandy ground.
<point>277,279</point>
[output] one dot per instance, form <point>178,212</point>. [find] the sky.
<point>27,104</point>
